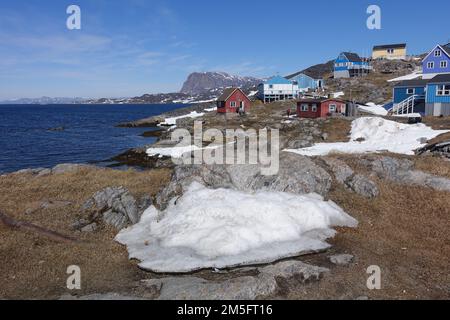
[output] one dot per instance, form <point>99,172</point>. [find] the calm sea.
<point>84,133</point>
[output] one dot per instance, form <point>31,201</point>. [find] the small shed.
<point>233,99</point>
<point>320,108</point>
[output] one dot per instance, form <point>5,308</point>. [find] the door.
<point>437,110</point>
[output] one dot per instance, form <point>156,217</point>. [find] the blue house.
<point>437,61</point>
<point>277,88</point>
<point>307,80</point>
<point>438,96</point>
<point>349,65</point>
<point>409,96</point>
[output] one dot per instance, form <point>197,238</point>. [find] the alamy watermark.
<point>374,280</point>
<point>234,147</point>
<point>374,20</point>
<point>74,20</point>
<point>74,280</point>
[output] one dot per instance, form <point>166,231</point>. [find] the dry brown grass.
<point>35,267</point>
<point>435,165</point>
<point>338,130</point>
<point>404,231</point>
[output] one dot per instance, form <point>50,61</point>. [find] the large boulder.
<point>119,207</point>
<point>296,174</point>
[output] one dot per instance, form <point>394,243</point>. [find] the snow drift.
<point>373,109</point>
<point>220,228</point>
<point>374,134</point>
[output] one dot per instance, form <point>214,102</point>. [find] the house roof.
<point>390,46</point>
<point>309,73</point>
<point>441,78</point>
<point>227,93</point>
<point>278,80</point>
<point>352,57</point>
<point>318,100</point>
<point>412,83</point>
<point>445,47</point>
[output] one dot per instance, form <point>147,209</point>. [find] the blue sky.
<point>128,48</point>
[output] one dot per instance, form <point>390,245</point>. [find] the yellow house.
<point>390,51</point>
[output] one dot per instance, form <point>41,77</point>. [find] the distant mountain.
<point>205,82</point>
<point>44,100</point>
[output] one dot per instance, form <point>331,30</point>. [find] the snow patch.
<point>373,109</point>
<point>374,134</point>
<point>220,228</point>
<point>338,94</point>
<point>173,121</point>
<point>411,76</point>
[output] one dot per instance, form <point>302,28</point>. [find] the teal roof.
<point>278,80</point>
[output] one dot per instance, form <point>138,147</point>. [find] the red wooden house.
<point>231,100</point>
<point>320,108</point>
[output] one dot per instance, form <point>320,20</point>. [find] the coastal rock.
<point>297,174</point>
<point>89,228</point>
<point>401,171</point>
<point>68,168</point>
<point>118,205</point>
<point>240,288</point>
<point>355,182</point>
<point>389,167</point>
<point>341,259</point>
<point>340,169</point>
<point>363,186</point>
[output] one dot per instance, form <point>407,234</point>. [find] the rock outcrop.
<point>239,288</point>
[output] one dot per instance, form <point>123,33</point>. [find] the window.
<point>332,108</point>
<point>305,107</point>
<point>410,91</point>
<point>314,108</point>
<point>390,51</point>
<point>443,90</point>
<point>280,91</point>
<point>270,86</point>
<point>437,53</point>
<point>233,104</point>
<point>430,65</point>
<point>444,64</point>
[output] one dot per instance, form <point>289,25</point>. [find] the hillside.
<point>374,87</point>
<point>206,82</point>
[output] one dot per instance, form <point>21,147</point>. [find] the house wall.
<point>323,109</point>
<point>306,82</point>
<point>309,113</point>
<point>237,97</point>
<point>399,53</point>
<point>400,93</point>
<point>437,109</point>
<point>437,62</point>
<point>341,74</point>
<point>432,96</point>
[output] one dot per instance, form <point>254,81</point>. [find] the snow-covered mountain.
<point>45,100</point>
<point>203,82</point>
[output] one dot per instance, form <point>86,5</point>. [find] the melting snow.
<point>173,121</point>
<point>414,75</point>
<point>376,135</point>
<point>220,228</point>
<point>374,109</point>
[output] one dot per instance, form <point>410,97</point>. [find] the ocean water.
<point>89,135</point>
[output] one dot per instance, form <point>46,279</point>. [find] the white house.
<point>277,88</point>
